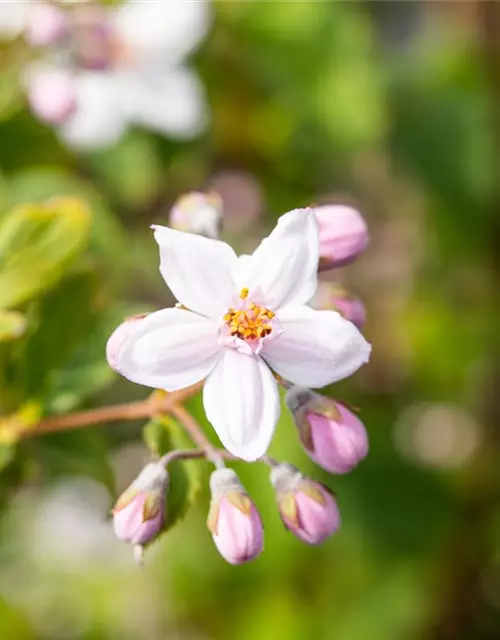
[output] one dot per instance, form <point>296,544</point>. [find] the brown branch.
<point>196,434</point>
<point>115,413</point>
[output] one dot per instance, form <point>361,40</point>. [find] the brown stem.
<point>196,434</point>
<point>115,413</point>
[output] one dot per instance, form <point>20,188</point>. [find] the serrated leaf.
<point>37,243</point>
<point>12,325</point>
<point>164,434</point>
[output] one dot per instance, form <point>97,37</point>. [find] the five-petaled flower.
<point>238,320</point>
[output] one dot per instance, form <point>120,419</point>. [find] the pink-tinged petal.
<point>316,348</point>
<point>166,30</point>
<point>317,520</point>
<point>284,266</point>
<point>100,119</point>
<point>242,403</point>
<point>52,95</point>
<point>118,338</point>
<point>197,270</point>
<point>337,445</point>
<point>170,101</point>
<point>343,234</point>
<point>170,349</point>
<point>239,536</point>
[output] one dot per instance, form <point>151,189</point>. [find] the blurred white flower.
<point>126,64</point>
<point>13,17</point>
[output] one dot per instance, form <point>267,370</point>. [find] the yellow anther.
<point>250,322</point>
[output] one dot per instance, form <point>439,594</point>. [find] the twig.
<point>196,434</point>
<point>115,413</point>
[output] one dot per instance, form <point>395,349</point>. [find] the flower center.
<point>250,321</point>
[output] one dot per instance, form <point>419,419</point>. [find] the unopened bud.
<point>139,513</point>
<point>197,213</point>
<point>233,519</point>
<point>343,234</point>
<point>52,96</point>
<point>307,508</point>
<point>332,296</point>
<point>333,436</point>
<point>118,338</point>
<point>47,24</point>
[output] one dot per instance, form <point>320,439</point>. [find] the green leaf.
<point>67,316</point>
<point>164,434</point>
<point>37,243</point>
<point>12,325</point>
<point>83,453</point>
<point>37,184</point>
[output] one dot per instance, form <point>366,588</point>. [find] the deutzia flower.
<point>126,64</point>
<point>240,320</point>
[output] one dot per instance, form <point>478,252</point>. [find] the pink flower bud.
<point>140,511</point>
<point>332,435</point>
<point>233,519</point>
<point>343,235</point>
<point>117,339</point>
<point>332,296</point>
<point>52,96</point>
<point>197,213</point>
<point>307,508</point>
<point>47,24</point>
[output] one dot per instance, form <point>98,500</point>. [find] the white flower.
<point>127,67</point>
<point>242,317</point>
<point>13,17</point>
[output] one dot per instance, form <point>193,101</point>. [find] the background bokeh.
<point>395,108</point>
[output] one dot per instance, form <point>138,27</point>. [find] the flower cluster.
<point>101,68</point>
<point>243,326</point>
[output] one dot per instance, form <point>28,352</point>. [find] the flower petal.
<point>316,348</point>
<point>197,270</point>
<point>169,29</point>
<point>242,403</point>
<point>168,101</point>
<point>284,266</point>
<point>99,119</point>
<point>170,349</point>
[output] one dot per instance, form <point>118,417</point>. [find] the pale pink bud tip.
<point>333,436</point>
<point>118,338</point>
<point>233,519</point>
<point>343,234</point>
<point>140,511</point>
<point>334,297</point>
<point>47,24</point>
<point>52,96</point>
<point>307,508</point>
<point>197,213</point>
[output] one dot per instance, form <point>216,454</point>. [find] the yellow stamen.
<point>251,322</point>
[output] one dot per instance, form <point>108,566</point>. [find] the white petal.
<point>171,102</point>
<point>242,403</point>
<point>316,348</point>
<point>14,17</point>
<point>170,349</point>
<point>170,29</point>
<point>284,267</point>
<point>197,270</point>
<point>100,119</point>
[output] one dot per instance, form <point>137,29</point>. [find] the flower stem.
<point>197,435</point>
